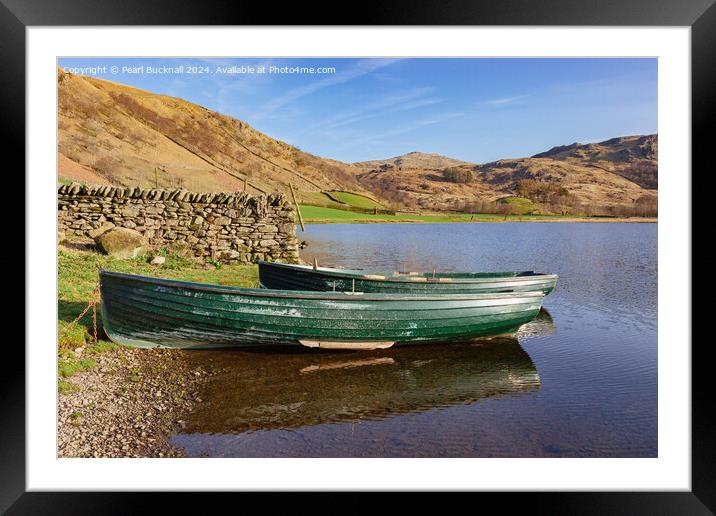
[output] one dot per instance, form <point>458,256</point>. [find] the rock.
<point>121,243</point>
<point>130,211</point>
<point>94,233</point>
<point>157,260</point>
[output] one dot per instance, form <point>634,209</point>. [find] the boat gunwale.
<point>453,319</point>
<point>390,277</point>
<point>317,295</point>
<point>186,301</point>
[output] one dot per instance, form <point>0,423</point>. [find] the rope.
<point>94,299</point>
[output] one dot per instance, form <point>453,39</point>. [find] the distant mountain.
<point>621,149</point>
<point>412,160</point>
<point>607,175</point>
<point>632,157</point>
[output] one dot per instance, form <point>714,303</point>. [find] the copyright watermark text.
<point>201,70</point>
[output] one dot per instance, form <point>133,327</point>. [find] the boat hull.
<point>150,312</point>
<point>301,277</point>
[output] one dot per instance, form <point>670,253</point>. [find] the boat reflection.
<point>260,391</point>
<point>540,326</point>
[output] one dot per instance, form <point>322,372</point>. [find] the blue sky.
<point>477,110</point>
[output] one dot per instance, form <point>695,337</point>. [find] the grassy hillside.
<point>339,200</point>
<point>355,200</point>
<point>110,133</point>
<point>632,157</point>
<point>521,205</point>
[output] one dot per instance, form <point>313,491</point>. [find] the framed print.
<point>440,250</point>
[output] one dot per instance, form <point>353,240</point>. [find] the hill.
<point>411,160</point>
<point>109,133</point>
<point>609,177</point>
<point>632,157</point>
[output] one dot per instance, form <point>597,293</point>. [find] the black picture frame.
<point>700,15</point>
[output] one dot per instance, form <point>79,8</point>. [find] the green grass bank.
<point>78,274</point>
<point>325,215</point>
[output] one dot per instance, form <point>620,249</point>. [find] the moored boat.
<point>305,277</point>
<point>152,312</point>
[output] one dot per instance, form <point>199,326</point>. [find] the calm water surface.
<point>579,381</point>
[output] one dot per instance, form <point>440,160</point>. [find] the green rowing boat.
<point>304,277</point>
<point>151,312</point>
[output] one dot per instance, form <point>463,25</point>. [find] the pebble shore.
<point>129,404</point>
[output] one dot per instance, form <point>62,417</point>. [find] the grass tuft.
<point>67,368</point>
<point>101,347</point>
<point>72,336</point>
<point>65,387</point>
<point>175,260</point>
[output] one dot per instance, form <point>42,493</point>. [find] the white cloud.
<point>391,103</point>
<point>505,100</point>
<point>443,117</point>
<point>359,69</point>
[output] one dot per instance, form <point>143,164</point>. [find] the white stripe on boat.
<point>337,344</point>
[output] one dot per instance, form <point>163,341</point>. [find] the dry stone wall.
<point>225,226</point>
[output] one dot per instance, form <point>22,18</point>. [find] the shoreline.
<point>566,220</point>
<point>128,405</point>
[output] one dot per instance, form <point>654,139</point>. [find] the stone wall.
<point>226,226</point>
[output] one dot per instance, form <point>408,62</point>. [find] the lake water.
<point>579,381</point>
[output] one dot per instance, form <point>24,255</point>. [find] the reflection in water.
<point>540,326</point>
<point>263,391</point>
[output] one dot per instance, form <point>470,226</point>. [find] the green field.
<point>338,200</point>
<point>359,201</point>
<point>317,199</point>
<point>319,214</point>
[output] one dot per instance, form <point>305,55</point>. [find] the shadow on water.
<point>257,391</point>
